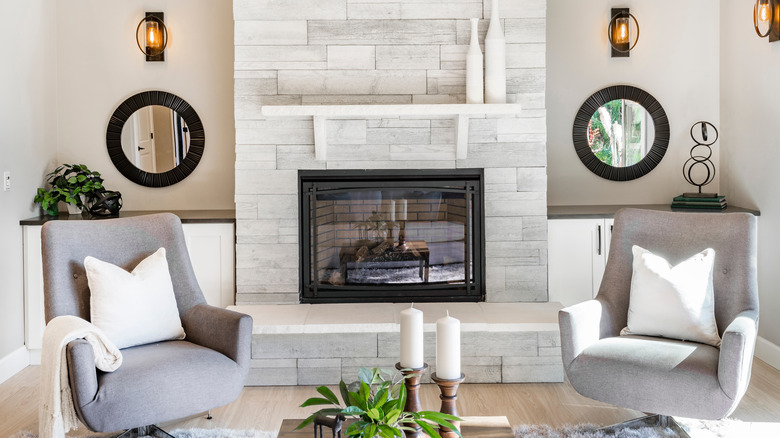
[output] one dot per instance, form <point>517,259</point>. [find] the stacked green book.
<point>696,203</point>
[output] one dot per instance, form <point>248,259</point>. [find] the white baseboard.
<point>35,357</point>
<point>13,363</point>
<point>768,352</point>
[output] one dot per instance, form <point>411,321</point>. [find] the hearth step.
<point>318,344</point>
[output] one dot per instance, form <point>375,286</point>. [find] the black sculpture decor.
<point>335,424</point>
<point>107,203</point>
<point>700,160</point>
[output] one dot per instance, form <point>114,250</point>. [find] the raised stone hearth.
<point>305,344</point>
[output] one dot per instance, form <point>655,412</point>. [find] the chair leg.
<point>143,431</point>
<point>648,421</point>
<point>208,415</point>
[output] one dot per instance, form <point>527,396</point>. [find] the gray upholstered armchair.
<point>157,382</point>
<point>657,375</point>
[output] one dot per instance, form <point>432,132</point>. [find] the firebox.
<point>391,235</point>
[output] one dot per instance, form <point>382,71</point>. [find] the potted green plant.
<point>377,403</point>
<point>73,184</point>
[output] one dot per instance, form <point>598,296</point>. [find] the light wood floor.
<point>263,408</point>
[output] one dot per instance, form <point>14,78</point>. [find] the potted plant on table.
<point>377,403</point>
<point>73,184</point>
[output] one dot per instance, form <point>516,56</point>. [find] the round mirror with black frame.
<point>621,133</point>
<point>155,138</point>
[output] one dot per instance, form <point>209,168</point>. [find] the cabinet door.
<point>576,259</point>
<point>34,320</point>
<point>603,237</point>
<point>212,253</point>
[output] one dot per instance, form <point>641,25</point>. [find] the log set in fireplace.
<point>391,235</point>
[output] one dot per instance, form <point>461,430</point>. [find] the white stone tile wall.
<point>304,52</point>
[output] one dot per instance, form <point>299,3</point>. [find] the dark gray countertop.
<point>608,211</point>
<point>186,216</point>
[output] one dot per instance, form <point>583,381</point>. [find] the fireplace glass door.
<point>391,236</point>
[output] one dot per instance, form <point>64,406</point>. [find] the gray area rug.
<point>588,431</point>
<point>696,429</point>
<point>180,433</point>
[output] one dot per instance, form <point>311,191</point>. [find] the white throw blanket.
<point>57,414</point>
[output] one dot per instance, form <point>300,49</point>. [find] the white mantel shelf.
<point>321,113</point>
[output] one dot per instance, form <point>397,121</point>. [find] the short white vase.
<point>495,59</point>
<point>474,67</point>
<point>74,209</point>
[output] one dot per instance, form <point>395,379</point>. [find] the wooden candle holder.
<point>449,397</point>
<point>412,394</point>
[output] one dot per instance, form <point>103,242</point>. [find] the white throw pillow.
<point>134,308</point>
<point>673,302</point>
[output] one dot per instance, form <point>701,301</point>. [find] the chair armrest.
<point>580,326</point>
<point>736,354</point>
<point>82,372</point>
<point>222,330</point>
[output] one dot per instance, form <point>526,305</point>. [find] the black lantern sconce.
<point>152,36</point>
<point>619,32</point>
<point>766,15</point>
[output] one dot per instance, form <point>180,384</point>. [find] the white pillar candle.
<point>411,338</point>
<point>448,348</point>
<point>392,211</point>
<point>403,211</point>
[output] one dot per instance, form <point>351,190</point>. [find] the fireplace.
<point>391,235</point>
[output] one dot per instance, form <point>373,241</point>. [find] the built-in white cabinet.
<point>577,255</point>
<point>212,252</point>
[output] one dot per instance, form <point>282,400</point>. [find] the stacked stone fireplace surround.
<point>346,52</point>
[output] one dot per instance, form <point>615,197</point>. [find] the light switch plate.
<point>6,181</point>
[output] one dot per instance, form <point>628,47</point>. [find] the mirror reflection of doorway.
<point>155,139</point>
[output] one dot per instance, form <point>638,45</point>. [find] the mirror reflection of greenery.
<point>615,133</point>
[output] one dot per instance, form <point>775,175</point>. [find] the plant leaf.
<point>353,411</point>
<point>316,401</point>
<point>428,429</point>
<point>328,394</point>
<point>373,414</point>
<point>386,431</point>
<point>365,375</point>
<point>344,392</point>
<point>357,428</point>
<point>392,416</point>
<point>402,397</point>
<point>380,398</point>
<point>440,419</point>
<point>307,421</point>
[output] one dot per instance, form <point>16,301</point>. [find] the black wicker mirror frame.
<point>654,155</point>
<point>128,169</point>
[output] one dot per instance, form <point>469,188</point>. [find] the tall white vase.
<point>474,73</point>
<point>495,59</point>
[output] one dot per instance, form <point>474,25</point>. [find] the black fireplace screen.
<point>392,236</point>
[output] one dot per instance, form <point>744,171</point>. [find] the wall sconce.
<point>152,36</point>
<point>619,32</point>
<point>766,14</point>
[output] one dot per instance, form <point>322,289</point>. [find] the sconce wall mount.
<point>619,32</point>
<point>766,15</point>
<point>152,36</point>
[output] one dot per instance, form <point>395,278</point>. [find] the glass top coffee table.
<point>472,427</point>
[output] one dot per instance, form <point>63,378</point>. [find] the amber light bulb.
<point>153,36</point>
<point>764,12</point>
<point>621,31</point>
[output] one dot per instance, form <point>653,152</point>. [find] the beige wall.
<point>751,145</point>
<point>27,144</point>
<point>676,60</point>
<point>94,78</point>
